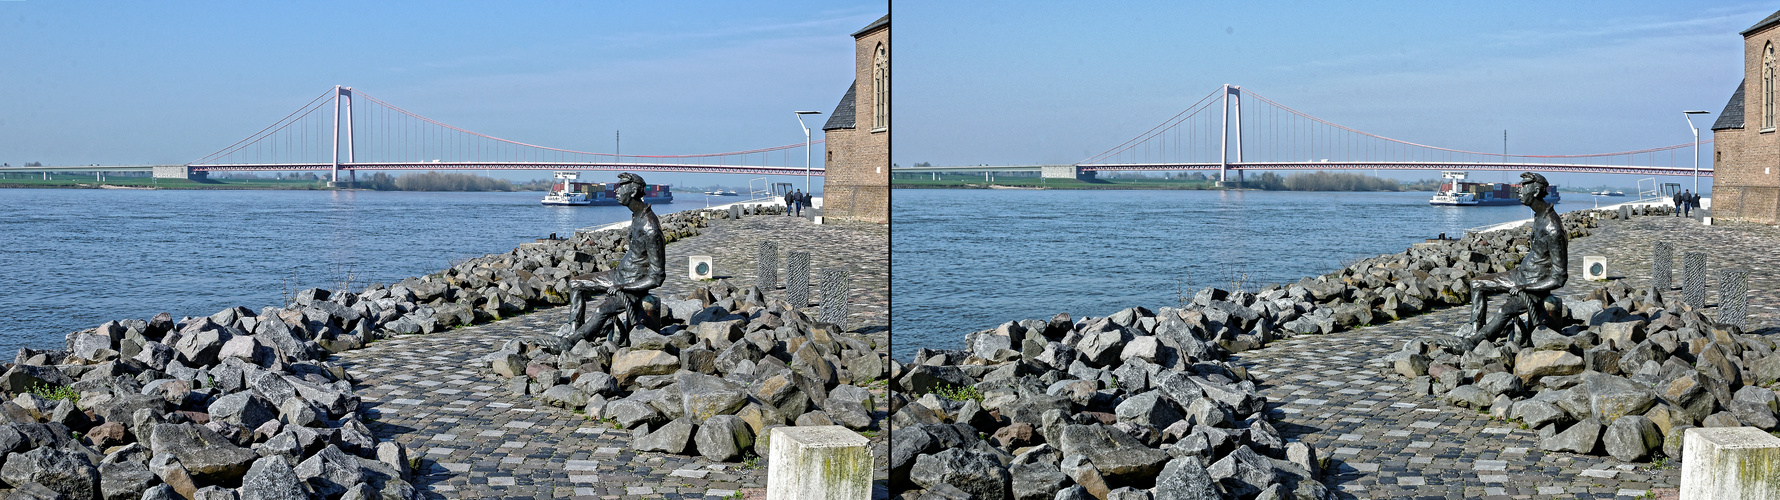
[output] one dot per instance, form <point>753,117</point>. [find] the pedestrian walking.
<point>807,200</point>
<point>1677,201</point>
<point>797,201</point>
<point>790,198</point>
<point>1686,203</point>
<point>1693,204</point>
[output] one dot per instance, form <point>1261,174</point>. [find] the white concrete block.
<point>826,462</point>
<point>1730,463</point>
<point>1594,267</point>
<point>698,267</point>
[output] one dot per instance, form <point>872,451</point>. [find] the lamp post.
<point>806,147</point>
<point>1696,148</point>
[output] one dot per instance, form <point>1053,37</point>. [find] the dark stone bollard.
<point>767,272</point>
<point>797,278</point>
<point>1733,296</point>
<point>1662,266</point>
<point>834,298</point>
<point>1625,212</point>
<point>735,212</point>
<point>1693,279</point>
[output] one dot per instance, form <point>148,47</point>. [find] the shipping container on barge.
<point>1456,192</point>
<point>599,193</point>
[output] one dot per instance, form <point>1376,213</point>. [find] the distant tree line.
<point>434,181</point>
<point>1331,181</point>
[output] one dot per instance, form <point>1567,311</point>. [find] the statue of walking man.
<point>1544,269</point>
<point>643,267</point>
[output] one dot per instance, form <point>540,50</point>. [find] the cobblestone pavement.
<point>475,439</point>
<point>1386,443</point>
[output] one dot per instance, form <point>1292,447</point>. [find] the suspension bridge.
<point>1210,135</point>
<point>327,134</point>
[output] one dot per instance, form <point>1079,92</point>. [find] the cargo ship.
<point>599,193</point>
<point>1456,192</point>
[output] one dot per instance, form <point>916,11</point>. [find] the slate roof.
<point>884,21</point>
<point>843,116</point>
<point>1772,18</point>
<point>1732,116</point>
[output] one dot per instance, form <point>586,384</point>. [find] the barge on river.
<point>1456,192</point>
<point>599,193</point>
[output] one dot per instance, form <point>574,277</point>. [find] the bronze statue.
<point>1544,269</point>
<point>643,267</point>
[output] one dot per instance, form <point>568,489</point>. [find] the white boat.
<point>1455,192</point>
<point>565,194</point>
<point>1610,193</point>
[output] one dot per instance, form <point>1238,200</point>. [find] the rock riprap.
<point>1141,404</point>
<point>1625,372</point>
<point>244,403</point>
<point>727,365</point>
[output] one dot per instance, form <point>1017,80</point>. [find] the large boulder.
<point>272,478</point>
<point>330,471</point>
<point>64,470</point>
<point>244,408</point>
<point>124,480</point>
<point>1117,455</point>
<point>206,455</point>
<point>1148,408</point>
<point>723,437</point>
<point>1579,438</point>
<point>1243,472</point>
<point>670,438</point>
<point>1611,397</point>
<point>1631,438</point>
<point>632,364</point>
<point>976,473</point>
<point>1531,365</point>
<point>704,396</point>
<point>1037,481</point>
<point>1185,479</point>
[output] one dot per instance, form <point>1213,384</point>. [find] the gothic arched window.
<point>1767,87</point>
<point>881,88</point>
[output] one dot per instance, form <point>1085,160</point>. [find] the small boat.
<point>1610,193</point>
<point>565,193</point>
<point>721,193</point>
<point>1464,194</point>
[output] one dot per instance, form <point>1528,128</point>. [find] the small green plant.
<point>959,393</point>
<point>56,392</point>
<point>414,463</point>
<point>869,434</point>
<point>750,461</point>
<point>74,434</point>
<point>736,495</point>
<point>1660,462</point>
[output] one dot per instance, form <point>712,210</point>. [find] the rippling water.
<point>75,258</point>
<point>967,260</point>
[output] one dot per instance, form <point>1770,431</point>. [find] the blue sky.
<point>1001,82</point>
<point>169,82</point>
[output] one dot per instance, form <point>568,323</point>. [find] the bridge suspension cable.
<point>1282,138</point>
<point>383,136</point>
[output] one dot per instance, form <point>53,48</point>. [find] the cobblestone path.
<point>1386,443</point>
<point>476,439</point>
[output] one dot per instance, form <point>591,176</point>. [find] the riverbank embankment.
<point>183,407</point>
<point>483,438</point>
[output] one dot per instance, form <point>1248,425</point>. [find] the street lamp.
<point>806,147</point>
<point>1696,148</point>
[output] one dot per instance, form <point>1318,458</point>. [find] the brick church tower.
<point>1746,148</point>
<point>857,135</point>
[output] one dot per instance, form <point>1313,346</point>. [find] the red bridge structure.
<point>327,134</point>
<point>1210,135</point>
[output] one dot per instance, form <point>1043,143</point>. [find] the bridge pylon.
<point>343,95</point>
<point>1232,96</point>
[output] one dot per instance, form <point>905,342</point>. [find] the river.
<point>964,260</point>
<point>75,258</point>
